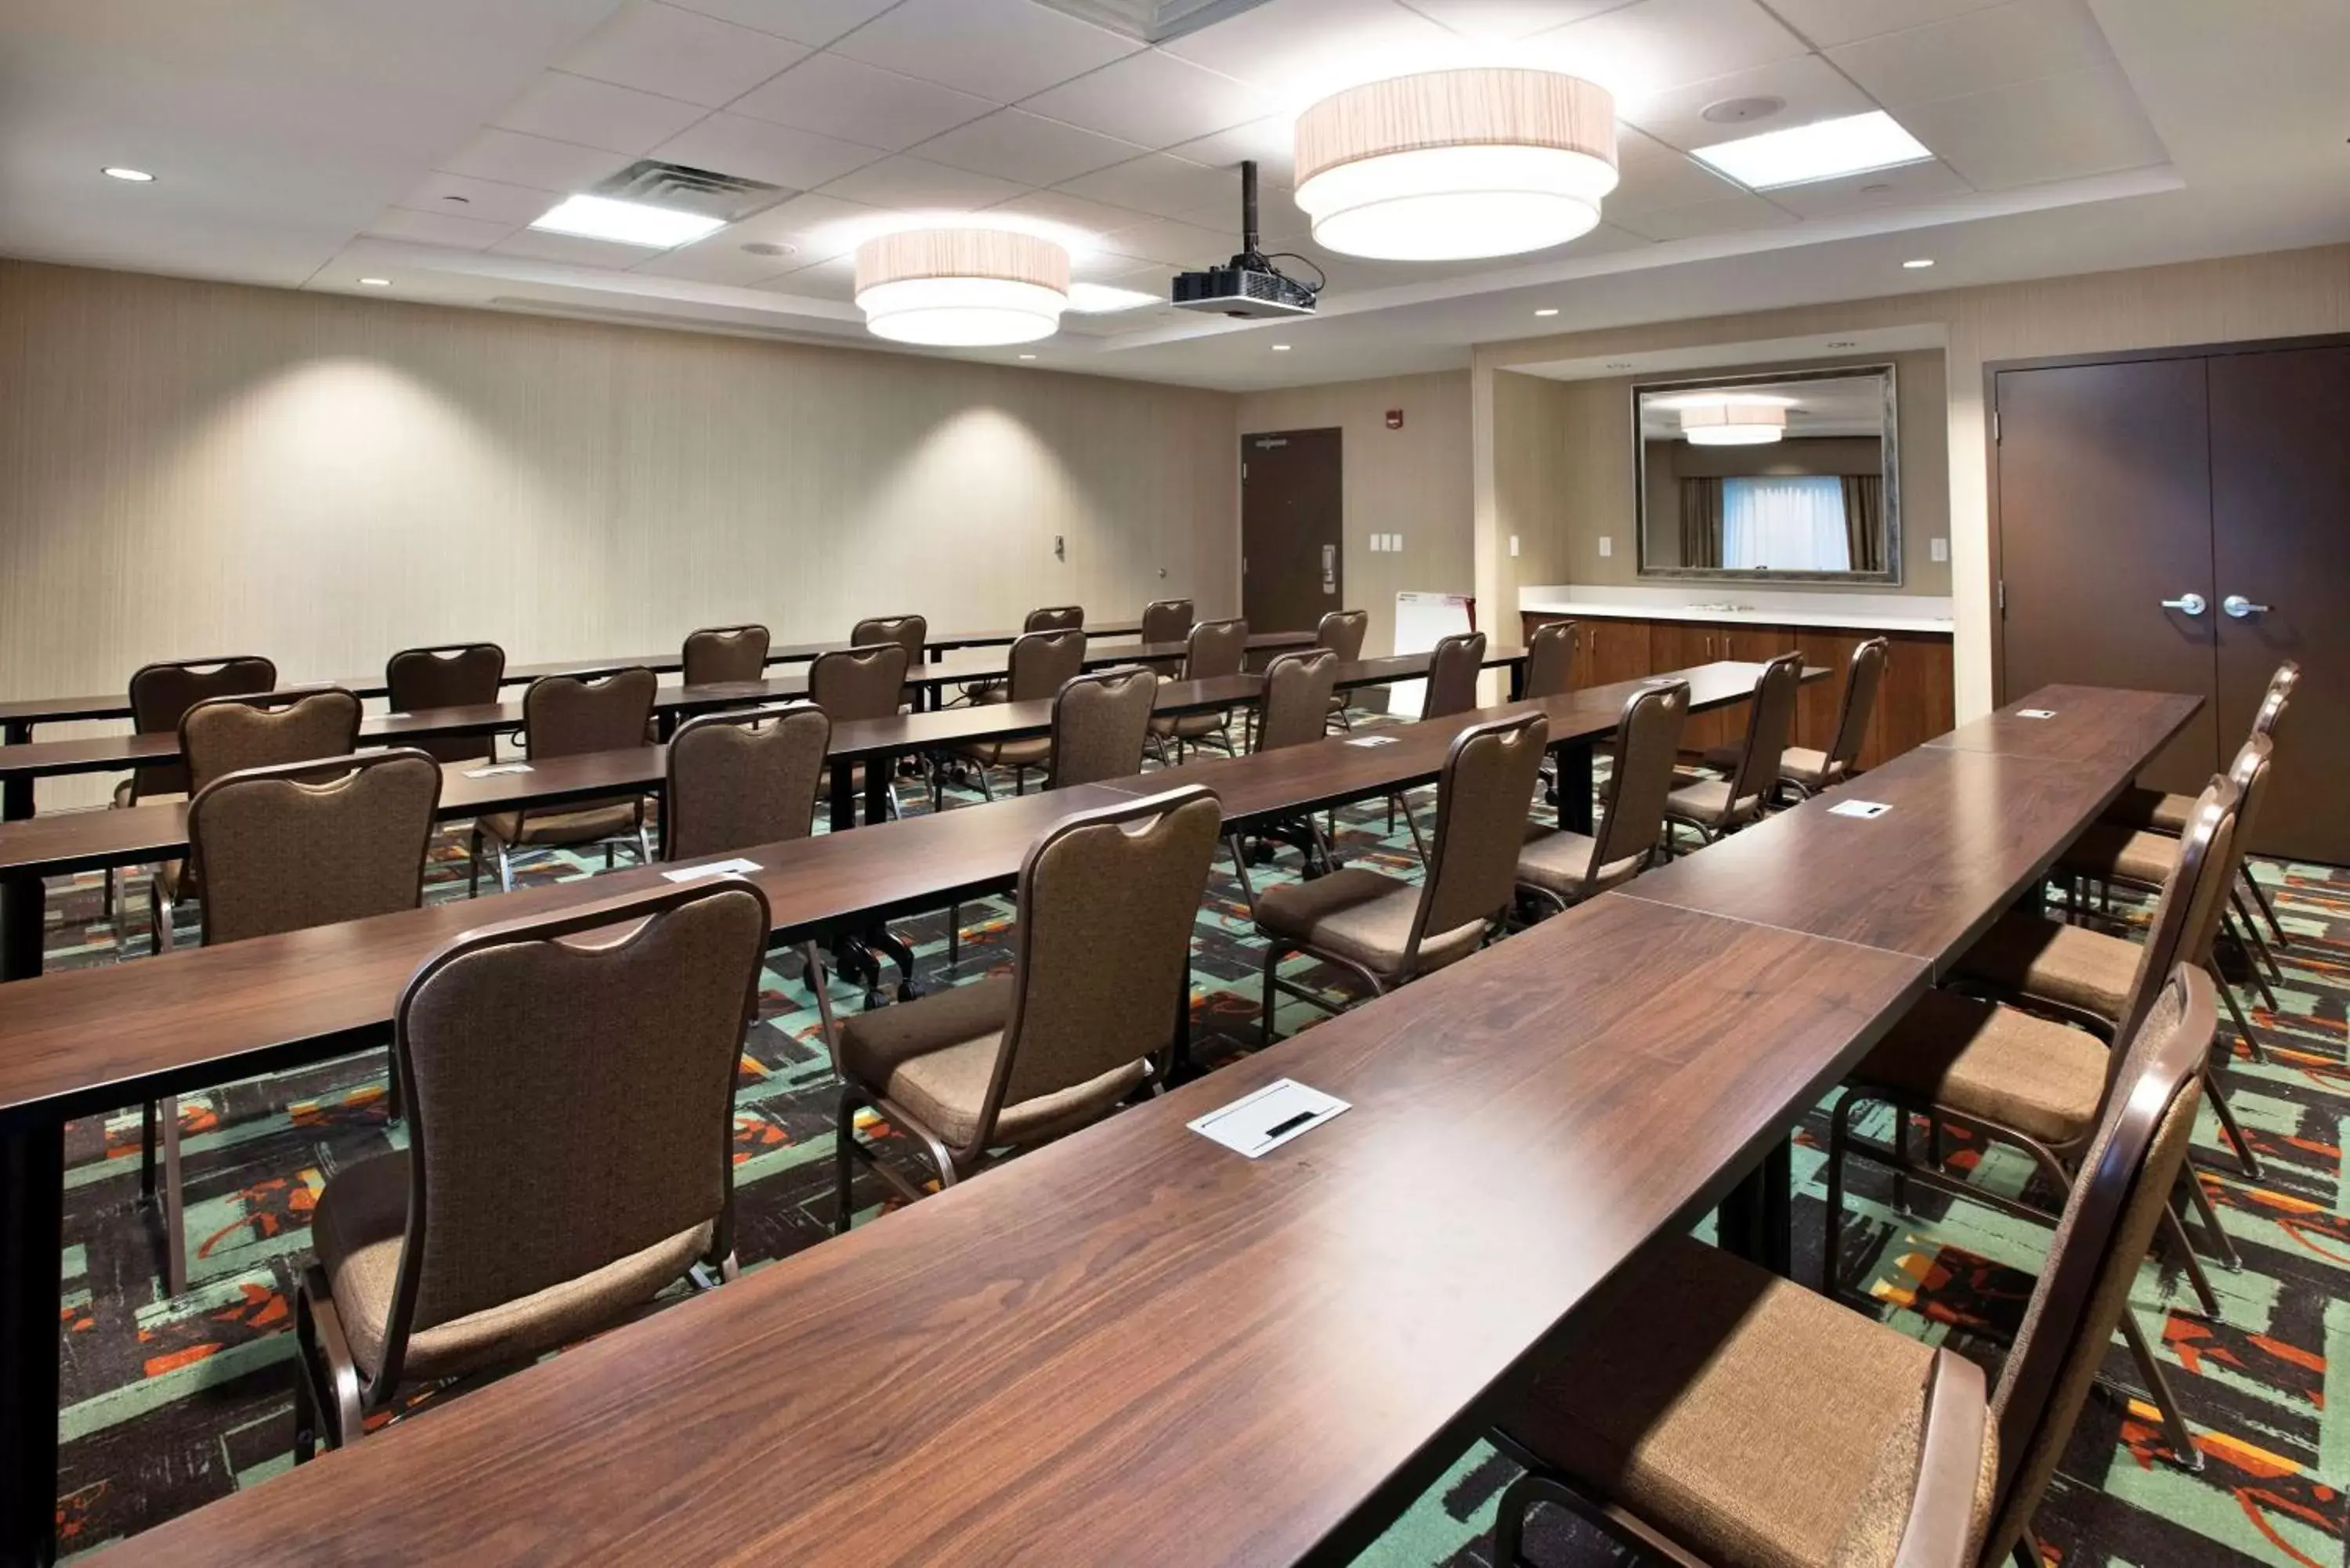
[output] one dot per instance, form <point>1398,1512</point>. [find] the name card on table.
<point>1859,808</point>
<point>1262,1122</point>
<point>715,868</point>
<point>500,768</point>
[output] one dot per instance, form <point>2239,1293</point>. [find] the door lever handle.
<point>2240,606</point>
<point>2187,604</point>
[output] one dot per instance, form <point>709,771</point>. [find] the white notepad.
<point>1259,1123</point>
<point>500,768</point>
<point>1859,808</point>
<point>1372,740</point>
<point>715,868</point>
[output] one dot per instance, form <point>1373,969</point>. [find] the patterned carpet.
<point>168,1402</point>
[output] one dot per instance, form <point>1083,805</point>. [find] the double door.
<point>2182,523</point>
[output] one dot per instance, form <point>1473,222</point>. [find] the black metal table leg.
<point>844,795</point>
<point>1575,785</point>
<point>1517,680</point>
<point>1757,1218</point>
<point>878,772</point>
<point>22,906</point>
<point>31,1206</point>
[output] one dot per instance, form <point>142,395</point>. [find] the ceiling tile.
<point>1000,49</point>
<point>1279,220</point>
<point>1159,185</point>
<point>910,184</point>
<point>817,228</point>
<point>1301,50</point>
<point>840,97</point>
<point>1505,21</point>
<point>1118,268</point>
<point>1873,192</point>
<point>834,279</point>
<point>482,200</point>
<point>1153,99</point>
<point>1646,48</point>
<point>1722,215</point>
<point>2021,41</point>
<point>1073,212</point>
<point>2060,128</point>
<point>679,54</point>
<point>1011,144</point>
<point>1828,22</point>
<point>514,159</point>
<point>1176,244</point>
<point>756,150</point>
<point>816,21</point>
<point>1811,89</point>
<point>1271,142</point>
<point>1653,176</point>
<point>440,228</point>
<point>575,249</point>
<point>721,258</point>
<point>597,114</point>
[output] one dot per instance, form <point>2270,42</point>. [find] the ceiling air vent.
<point>727,197</point>
<point>1152,21</point>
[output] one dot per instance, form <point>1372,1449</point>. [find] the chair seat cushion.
<point>1750,1419</point>
<point>583,825</point>
<point>1995,1064</point>
<point>1189,726</point>
<point>2111,852</point>
<point>1034,752</point>
<point>936,1055</point>
<point>2070,964</point>
<point>1360,917</point>
<point>358,1231</point>
<point>2152,809</point>
<point>1708,805</point>
<point>1805,766</point>
<point>1559,862</point>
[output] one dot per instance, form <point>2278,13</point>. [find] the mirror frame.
<point>1889,578</point>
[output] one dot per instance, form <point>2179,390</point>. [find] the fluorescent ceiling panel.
<point>1820,150</point>
<point>628,223</point>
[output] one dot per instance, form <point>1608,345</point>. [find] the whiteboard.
<point>1419,620</point>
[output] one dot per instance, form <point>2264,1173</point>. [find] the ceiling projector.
<point>1248,285</point>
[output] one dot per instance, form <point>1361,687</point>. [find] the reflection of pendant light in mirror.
<point>1453,164</point>
<point>1732,425</point>
<point>962,288</point>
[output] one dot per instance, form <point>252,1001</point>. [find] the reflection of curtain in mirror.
<point>1864,521</point>
<point>1701,522</point>
<point>1795,523</point>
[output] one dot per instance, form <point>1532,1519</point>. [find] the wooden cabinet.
<point>1620,650</point>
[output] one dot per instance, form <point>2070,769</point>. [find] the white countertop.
<point>1753,606</point>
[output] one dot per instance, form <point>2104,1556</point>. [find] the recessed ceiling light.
<point>1100,299</point>
<point>1820,150</point>
<point>1547,310</point>
<point>375,283</point>
<point>1741,110</point>
<point>628,223</point>
<point>136,176</point>
<point>1919,263</point>
<point>1027,356</point>
<point>1280,347</point>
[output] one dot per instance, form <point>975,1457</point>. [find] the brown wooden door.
<point>2105,513</point>
<point>2281,539</point>
<point>1293,546</point>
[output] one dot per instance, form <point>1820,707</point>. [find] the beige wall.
<point>1563,476</point>
<point>1413,481</point>
<point>191,468</point>
<point>2278,295</point>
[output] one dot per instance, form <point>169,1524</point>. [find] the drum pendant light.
<point>962,289</point>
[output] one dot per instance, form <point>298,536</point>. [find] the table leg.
<point>22,902</point>
<point>878,772</point>
<point>1757,1218</point>
<point>1575,785</point>
<point>1517,680</point>
<point>844,795</point>
<point>31,1206</point>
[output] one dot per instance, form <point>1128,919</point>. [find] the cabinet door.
<point>1916,701</point>
<point>1681,646</point>
<point>1619,649</point>
<point>1821,703</point>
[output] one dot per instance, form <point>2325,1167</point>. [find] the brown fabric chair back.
<point>221,735</point>
<point>453,675</point>
<point>1099,725</point>
<point>279,852</point>
<point>2190,906</point>
<point>1342,632</point>
<point>1055,618</point>
<point>1550,660</point>
<point>908,631</point>
<point>1167,620</point>
<point>634,1009</point>
<point>1216,648</point>
<point>1648,744</point>
<point>1770,718</point>
<point>161,693</point>
<point>1861,679</point>
<point>1043,663</point>
<point>1102,955</point>
<point>1452,667</point>
<point>740,779</point>
<point>860,683</point>
<point>2125,1180</point>
<point>564,715</point>
<point>1295,706</point>
<point>2277,699</point>
<point>2254,765</point>
<point>724,653</point>
<point>1481,822</point>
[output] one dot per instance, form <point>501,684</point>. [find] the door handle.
<point>2191,604</point>
<point>2240,606</point>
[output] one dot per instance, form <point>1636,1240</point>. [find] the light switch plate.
<point>1513,544</point>
<point>1606,547</point>
<point>1941,548</point>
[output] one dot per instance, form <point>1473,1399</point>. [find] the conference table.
<point>1644,1059</point>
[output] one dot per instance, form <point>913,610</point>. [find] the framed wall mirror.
<point>1781,477</point>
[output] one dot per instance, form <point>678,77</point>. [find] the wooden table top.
<point>1134,1345</point>
<point>2090,724</point>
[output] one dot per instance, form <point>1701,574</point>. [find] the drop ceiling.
<point>309,146</point>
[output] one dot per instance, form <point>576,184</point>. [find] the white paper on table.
<point>1259,1123</point>
<point>1373,741</point>
<point>1859,808</point>
<point>715,868</point>
<point>2035,712</point>
<point>500,768</point>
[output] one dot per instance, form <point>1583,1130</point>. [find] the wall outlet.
<point>1606,547</point>
<point>1941,548</point>
<point>1514,545</point>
